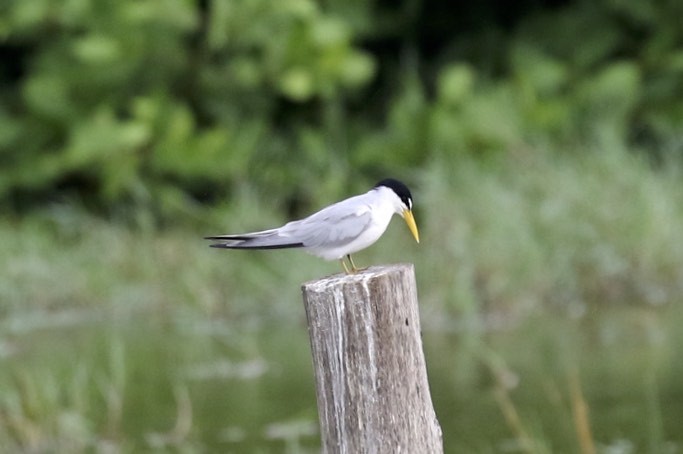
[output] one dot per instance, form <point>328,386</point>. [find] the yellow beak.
<point>410,220</point>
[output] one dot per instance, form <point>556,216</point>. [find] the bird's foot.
<point>353,269</point>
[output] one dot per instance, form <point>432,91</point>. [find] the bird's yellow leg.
<point>353,265</point>
<point>353,269</point>
<point>346,270</point>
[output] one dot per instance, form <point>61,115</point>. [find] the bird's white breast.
<point>381,210</point>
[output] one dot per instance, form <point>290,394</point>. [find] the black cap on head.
<point>400,189</point>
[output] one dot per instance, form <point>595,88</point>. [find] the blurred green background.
<point>542,142</point>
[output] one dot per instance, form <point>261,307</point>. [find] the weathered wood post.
<point>371,376</point>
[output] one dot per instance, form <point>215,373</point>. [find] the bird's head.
<point>405,206</point>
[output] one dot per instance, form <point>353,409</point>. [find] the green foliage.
<point>155,105</point>
<point>147,102</point>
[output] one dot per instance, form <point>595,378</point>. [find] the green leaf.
<point>297,84</point>
<point>455,83</point>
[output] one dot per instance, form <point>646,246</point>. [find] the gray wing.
<point>333,226</point>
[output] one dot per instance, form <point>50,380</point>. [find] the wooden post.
<point>371,377</point>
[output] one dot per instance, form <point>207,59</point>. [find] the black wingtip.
<point>246,247</point>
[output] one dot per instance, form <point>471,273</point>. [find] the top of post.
<point>361,276</point>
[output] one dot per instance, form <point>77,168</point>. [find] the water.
<point>623,364</point>
<point>157,381</point>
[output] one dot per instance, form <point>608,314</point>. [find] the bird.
<point>338,230</point>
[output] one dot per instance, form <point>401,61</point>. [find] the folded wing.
<point>330,227</point>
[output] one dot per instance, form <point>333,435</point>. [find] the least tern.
<point>336,231</point>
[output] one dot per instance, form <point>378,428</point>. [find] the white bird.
<point>336,231</point>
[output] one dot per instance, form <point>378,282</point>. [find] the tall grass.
<point>540,230</point>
